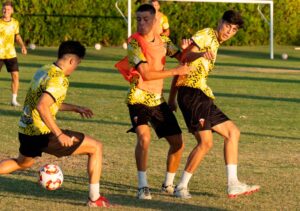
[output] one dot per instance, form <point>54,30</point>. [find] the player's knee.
<point>143,142</point>
<point>15,77</point>
<point>98,147</point>
<point>234,134</point>
<point>25,165</point>
<point>206,144</point>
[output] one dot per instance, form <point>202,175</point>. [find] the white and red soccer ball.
<point>50,177</point>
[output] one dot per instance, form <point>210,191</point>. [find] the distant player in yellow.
<point>9,32</point>
<point>162,24</point>
<point>201,115</point>
<point>38,131</point>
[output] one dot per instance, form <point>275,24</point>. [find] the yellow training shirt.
<point>8,31</point>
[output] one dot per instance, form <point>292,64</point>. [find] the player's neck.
<point>218,36</point>
<point>149,37</point>
<point>7,19</point>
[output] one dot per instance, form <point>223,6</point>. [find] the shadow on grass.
<point>51,53</point>
<point>98,70</point>
<point>253,54</point>
<point>247,78</point>
<point>254,65</point>
<point>30,190</point>
<point>253,97</point>
<point>98,86</point>
<point>271,136</point>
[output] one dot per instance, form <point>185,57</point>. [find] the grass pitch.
<point>259,94</point>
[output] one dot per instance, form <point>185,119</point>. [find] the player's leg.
<point>173,161</point>
<point>165,124</point>
<point>140,115</point>
<point>13,164</point>
<point>204,144</point>
<point>82,145</point>
<point>13,69</point>
<point>93,148</point>
<point>231,135</point>
<point>141,157</point>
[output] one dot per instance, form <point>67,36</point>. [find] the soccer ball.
<point>97,46</point>
<point>284,56</point>
<point>32,46</point>
<point>50,177</point>
<point>124,45</point>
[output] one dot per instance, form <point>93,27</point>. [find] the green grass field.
<point>259,94</point>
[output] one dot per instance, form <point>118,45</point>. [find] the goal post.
<point>268,2</point>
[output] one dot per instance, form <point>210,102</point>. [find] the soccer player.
<point>201,115</point>
<point>9,32</point>
<point>38,131</point>
<point>145,98</point>
<point>162,23</point>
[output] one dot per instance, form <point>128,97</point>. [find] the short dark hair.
<point>7,3</point>
<point>71,47</point>
<point>233,17</point>
<point>146,8</point>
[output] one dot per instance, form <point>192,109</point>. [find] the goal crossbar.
<point>268,2</point>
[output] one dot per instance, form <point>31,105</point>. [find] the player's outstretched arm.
<point>83,111</point>
<point>148,74</point>
<point>193,52</point>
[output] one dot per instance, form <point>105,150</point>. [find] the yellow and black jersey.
<point>49,79</point>
<point>197,78</point>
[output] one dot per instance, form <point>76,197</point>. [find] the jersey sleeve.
<point>172,49</point>
<point>57,88</point>
<point>135,54</point>
<point>165,22</point>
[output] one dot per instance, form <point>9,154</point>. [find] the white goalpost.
<point>268,2</point>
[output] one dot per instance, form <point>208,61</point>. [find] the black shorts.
<point>160,117</point>
<point>11,64</point>
<point>33,146</point>
<point>199,111</point>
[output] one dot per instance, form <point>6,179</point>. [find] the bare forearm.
<point>68,107</point>
<point>154,75</point>
<point>19,40</point>
<point>192,56</point>
<point>173,91</point>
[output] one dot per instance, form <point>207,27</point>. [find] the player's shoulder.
<point>165,38</point>
<point>13,20</point>
<point>204,31</point>
<point>133,44</point>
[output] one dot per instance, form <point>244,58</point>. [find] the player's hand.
<point>84,112</point>
<point>65,140</point>
<point>185,43</point>
<point>183,69</point>
<point>24,50</point>
<point>208,55</point>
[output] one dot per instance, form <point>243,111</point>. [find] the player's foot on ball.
<point>144,193</point>
<point>167,189</point>
<point>239,188</point>
<point>15,103</point>
<point>100,202</point>
<point>182,192</point>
